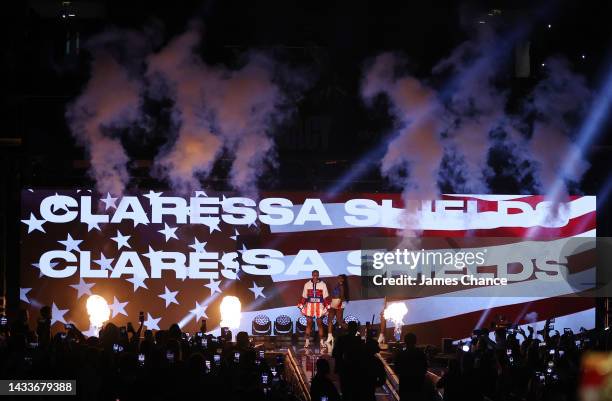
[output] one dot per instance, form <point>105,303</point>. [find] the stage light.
<point>261,326</point>
<point>325,319</point>
<point>549,26</point>
<point>283,325</point>
<point>300,325</point>
<point>230,312</point>
<point>98,311</point>
<point>396,312</point>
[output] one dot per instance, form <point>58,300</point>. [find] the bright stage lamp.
<point>98,311</point>
<point>230,312</point>
<point>396,312</point>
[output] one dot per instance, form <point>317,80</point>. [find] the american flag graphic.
<point>331,247</point>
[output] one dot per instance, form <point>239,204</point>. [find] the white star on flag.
<point>40,273</point>
<point>58,203</point>
<point>200,193</point>
<point>199,311</point>
<point>23,294</point>
<point>71,244</point>
<point>34,224</point>
<point>198,246</point>
<point>152,253</point>
<point>109,201</point>
<point>258,291</point>
<point>212,223</point>
<point>151,323</point>
<point>121,240</point>
<point>104,262</point>
<point>57,315</point>
<point>169,296</point>
<point>82,288</point>
<point>138,282</point>
<point>236,234</point>
<point>117,307</point>
<point>152,195</point>
<point>168,232</point>
<point>214,286</point>
<point>91,224</point>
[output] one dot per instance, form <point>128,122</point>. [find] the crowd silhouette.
<point>507,364</point>
<point>124,363</point>
<point>127,363</point>
<point>501,364</point>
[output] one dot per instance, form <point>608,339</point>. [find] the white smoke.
<point>413,157</point>
<point>109,104</point>
<point>556,100</point>
<point>460,124</point>
<point>196,147</point>
<point>216,110</point>
<point>474,109</point>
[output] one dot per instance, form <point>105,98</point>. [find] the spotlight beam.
<point>364,164</point>
<point>587,134</point>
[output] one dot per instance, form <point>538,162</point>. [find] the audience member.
<point>321,385</point>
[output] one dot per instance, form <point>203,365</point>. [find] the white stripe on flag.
<point>335,263</point>
<point>447,220</point>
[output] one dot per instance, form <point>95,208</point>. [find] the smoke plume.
<point>446,134</point>
<point>216,111</point>
<point>474,108</point>
<point>109,104</point>
<point>413,157</point>
<point>558,102</point>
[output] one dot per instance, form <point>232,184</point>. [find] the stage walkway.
<point>300,366</point>
<point>307,360</point>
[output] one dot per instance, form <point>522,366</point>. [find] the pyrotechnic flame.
<point>230,312</point>
<point>98,311</point>
<point>396,312</point>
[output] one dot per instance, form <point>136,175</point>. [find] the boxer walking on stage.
<point>314,304</point>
